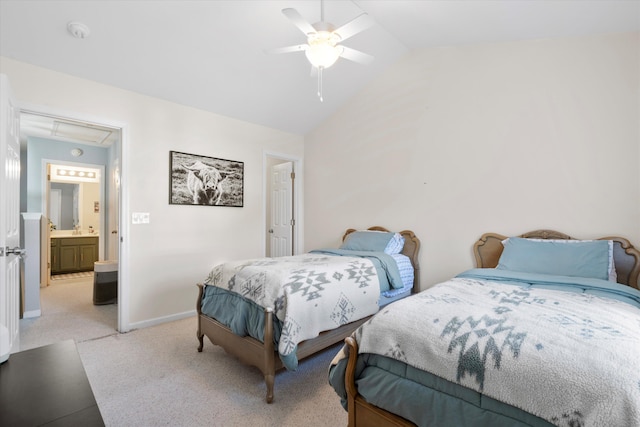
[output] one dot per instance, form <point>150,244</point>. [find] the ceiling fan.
<point>323,46</point>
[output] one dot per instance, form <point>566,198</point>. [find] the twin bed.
<point>272,312</point>
<point>545,331</point>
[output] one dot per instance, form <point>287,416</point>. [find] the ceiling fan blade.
<point>356,25</point>
<point>287,49</point>
<point>299,21</point>
<point>356,55</point>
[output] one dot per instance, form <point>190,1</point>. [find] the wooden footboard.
<point>362,413</point>
<point>263,355</point>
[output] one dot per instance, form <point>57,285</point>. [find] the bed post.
<point>199,333</point>
<point>349,378</point>
<point>269,370</point>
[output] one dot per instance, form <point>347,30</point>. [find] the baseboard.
<point>31,313</point>
<point>161,320</point>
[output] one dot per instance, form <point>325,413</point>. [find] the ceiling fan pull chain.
<point>320,83</point>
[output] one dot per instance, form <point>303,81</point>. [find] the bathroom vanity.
<point>73,253</point>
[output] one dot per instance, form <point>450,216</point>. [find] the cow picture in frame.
<point>207,181</point>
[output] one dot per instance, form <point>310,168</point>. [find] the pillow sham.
<point>375,241</point>
<point>611,269</point>
<point>613,276</point>
<point>579,259</point>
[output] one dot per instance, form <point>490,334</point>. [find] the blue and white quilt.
<point>308,293</point>
<point>564,349</point>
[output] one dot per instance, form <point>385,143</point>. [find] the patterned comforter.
<point>564,349</point>
<point>309,293</point>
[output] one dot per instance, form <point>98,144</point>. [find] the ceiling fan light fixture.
<point>322,51</point>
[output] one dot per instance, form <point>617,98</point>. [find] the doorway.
<point>74,207</point>
<point>58,133</point>
<point>282,204</point>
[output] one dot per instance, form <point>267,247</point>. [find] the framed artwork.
<point>202,180</point>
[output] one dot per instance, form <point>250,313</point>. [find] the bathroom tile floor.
<point>81,275</point>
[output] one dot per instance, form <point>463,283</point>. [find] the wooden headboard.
<point>488,249</point>
<point>411,249</point>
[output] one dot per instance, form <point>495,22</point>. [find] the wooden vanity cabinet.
<point>69,261</point>
<point>88,255</point>
<point>74,254</point>
<point>55,255</point>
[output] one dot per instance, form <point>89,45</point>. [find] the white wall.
<point>182,243</point>
<point>454,142</point>
<point>90,195</point>
<point>449,142</point>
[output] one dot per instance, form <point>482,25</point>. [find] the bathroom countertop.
<point>64,235</point>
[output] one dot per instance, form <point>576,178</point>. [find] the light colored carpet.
<point>156,377</point>
<point>68,313</point>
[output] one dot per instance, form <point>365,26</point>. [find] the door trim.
<point>123,229</point>
<point>298,198</point>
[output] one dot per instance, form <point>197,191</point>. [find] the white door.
<point>45,243</point>
<point>114,216</point>
<point>282,220</point>
<point>9,220</point>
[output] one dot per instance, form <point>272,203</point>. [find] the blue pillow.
<point>395,245</point>
<point>580,259</point>
<point>375,241</point>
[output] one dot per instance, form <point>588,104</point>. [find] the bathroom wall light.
<point>73,174</point>
<point>81,174</point>
<point>76,152</point>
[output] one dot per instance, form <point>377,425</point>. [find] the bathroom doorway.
<point>74,207</point>
<point>82,144</point>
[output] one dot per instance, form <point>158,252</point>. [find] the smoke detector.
<point>78,30</point>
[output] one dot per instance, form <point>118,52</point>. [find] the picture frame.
<point>205,181</point>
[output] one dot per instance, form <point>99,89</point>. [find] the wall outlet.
<point>140,218</point>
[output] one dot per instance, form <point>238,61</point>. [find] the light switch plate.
<point>140,218</point>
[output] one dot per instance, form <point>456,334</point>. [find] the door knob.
<point>16,251</point>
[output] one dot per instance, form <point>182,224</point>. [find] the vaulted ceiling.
<point>211,54</point>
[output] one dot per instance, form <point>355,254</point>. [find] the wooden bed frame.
<point>264,355</point>
<point>487,251</point>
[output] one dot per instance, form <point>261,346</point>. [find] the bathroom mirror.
<point>73,204</point>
